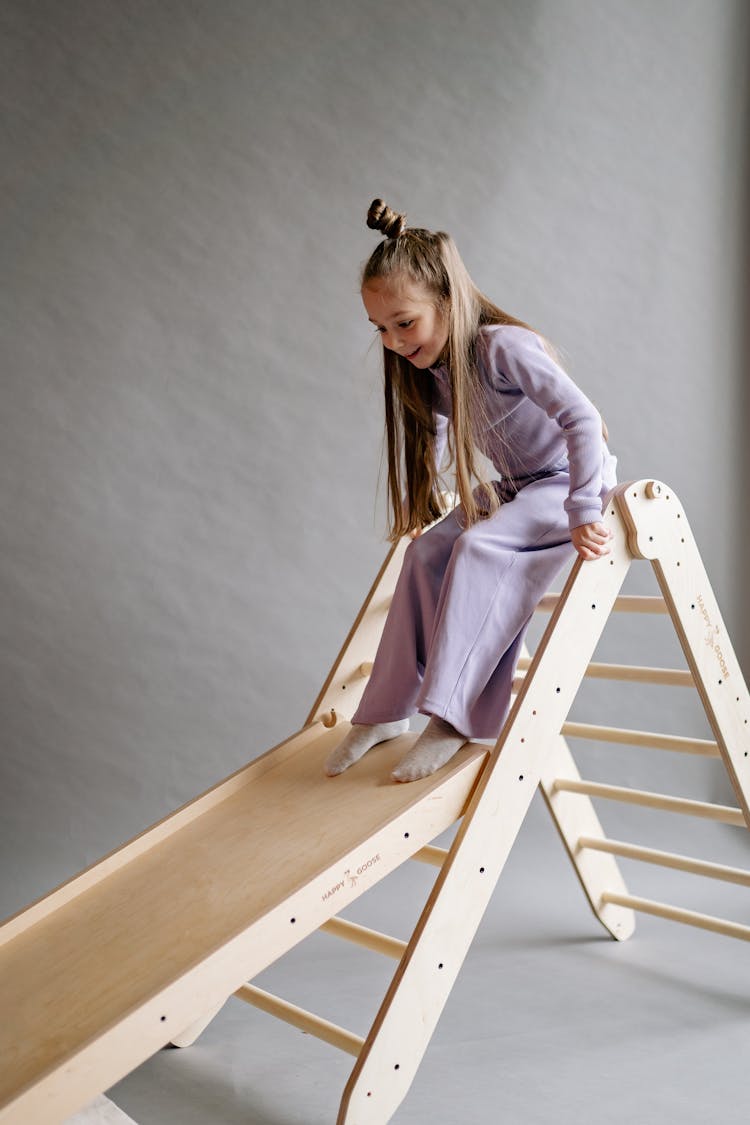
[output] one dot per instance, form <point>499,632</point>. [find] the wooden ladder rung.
<point>361,935</point>
<point>625,603</point>
<point>431,854</point>
<point>724,813</point>
<point>701,746</point>
<point>633,673</point>
<point>301,1019</point>
<point>666,859</point>
<point>677,914</point>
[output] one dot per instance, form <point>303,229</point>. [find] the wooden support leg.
<point>574,816</point>
<point>659,531</point>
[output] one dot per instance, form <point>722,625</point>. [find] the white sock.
<point>435,746</point>
<point>361,738</point>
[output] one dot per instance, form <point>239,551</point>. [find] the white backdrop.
<point>191,402</point>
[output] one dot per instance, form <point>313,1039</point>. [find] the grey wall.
<point>191,407</point>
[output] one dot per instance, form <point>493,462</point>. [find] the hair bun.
<point>381,217</point>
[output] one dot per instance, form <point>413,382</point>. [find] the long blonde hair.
<point>432,260</point>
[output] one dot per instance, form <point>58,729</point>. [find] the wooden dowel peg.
<point>701,746</point>
<point>667,859</point>
<point>725,813</point>
<point>674,677</point>
<point>361,935</point>
<point>431,854</point>
<point>677,914</point>
<point>624,603</point>
<point>301,1019</point>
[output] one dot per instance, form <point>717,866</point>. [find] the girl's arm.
<point>517,358</point>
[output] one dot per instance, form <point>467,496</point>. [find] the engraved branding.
<point>352,876</point>
<point>712,637</point>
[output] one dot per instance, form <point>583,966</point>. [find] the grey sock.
<point>361,738</point>
<point>435,746</point>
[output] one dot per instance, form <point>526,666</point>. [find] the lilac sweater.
<point>540,420</point>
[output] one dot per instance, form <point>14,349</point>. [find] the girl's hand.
<point>590,540</point>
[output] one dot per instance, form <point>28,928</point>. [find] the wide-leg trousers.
<point>461,607</point>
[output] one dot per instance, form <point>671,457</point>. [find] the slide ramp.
<point>129,953</point>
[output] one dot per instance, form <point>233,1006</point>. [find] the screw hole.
<point>481,871</point>
<point>406,835</point>
<point>557,690</point>
<point>396,1067</point>
<point>292,920</point>
<point>440,965</point>
<point>163,1019</point>
<point>520,777</point>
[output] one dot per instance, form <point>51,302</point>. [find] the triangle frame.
<point>649,523</point>
<point>197,882</point>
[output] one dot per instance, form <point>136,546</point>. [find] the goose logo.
<point>351,876</point>
<point>712,637</point>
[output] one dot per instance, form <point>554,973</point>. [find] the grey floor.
<point>551,1021</point>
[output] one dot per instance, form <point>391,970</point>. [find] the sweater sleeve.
<point>519,360</point>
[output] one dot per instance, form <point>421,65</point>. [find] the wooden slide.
<point>144,947</point>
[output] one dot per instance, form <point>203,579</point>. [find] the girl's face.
<point>408,321</point>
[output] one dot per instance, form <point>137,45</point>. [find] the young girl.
<point>461,373</point>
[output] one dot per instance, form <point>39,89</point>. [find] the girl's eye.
<point>403,324</point>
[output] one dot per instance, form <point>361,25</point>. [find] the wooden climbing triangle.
<point>143,948</point>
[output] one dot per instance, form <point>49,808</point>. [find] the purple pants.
<point>461,607</point>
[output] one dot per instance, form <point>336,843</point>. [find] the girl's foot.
<point>361,738</point>
<point>435,746</point>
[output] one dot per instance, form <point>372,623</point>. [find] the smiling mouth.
<point>413,353</point>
